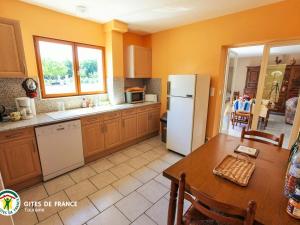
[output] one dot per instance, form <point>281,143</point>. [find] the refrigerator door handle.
<point>189,96</point>
<point>168,103</point>
<point>168,87</point>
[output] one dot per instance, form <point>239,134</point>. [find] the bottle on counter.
<point>84,103</point>
<point>293,175</point>
<point>293,207</point>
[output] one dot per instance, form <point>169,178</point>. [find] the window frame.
<point>74,46</point>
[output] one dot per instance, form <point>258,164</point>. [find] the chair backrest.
<point>213,209</point>
<point>267,138</point>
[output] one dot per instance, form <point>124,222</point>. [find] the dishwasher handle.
<point>60,128</point>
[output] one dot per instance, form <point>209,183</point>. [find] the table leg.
<point>172,203</point>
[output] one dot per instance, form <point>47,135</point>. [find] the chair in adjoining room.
<point>290,109</point>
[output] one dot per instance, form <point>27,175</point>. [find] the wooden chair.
<point>205,210</point>
<point>268,138</point>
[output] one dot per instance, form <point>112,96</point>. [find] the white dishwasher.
<point>60,148</point>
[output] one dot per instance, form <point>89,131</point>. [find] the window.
<point>67,68</point>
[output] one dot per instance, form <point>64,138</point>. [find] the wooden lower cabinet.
<point>154,120</point>
<point>19,160</point>
<point>142,124</point>
<point>112,135</point>
<point>93,138</point>
<point>129,128</point>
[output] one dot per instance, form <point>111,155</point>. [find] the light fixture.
<point>81,10</point>
<point>171,9</point>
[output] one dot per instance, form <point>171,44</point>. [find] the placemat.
<point>235,169</point>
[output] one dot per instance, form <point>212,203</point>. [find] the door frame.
<point>260,85</point>
<point>235,55</point>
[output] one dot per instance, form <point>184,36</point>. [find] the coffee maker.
<point>26,107</point>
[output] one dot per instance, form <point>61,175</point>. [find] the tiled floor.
<point>124,188</point>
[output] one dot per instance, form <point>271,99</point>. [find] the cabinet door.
<point>19,161</point>
<point>12,60</point>
<point>93,138</point>
<point>142,124</point>
<point>129,128</point>
<point>112,134</point>
<point>142,62</point>
<point>154,121</point>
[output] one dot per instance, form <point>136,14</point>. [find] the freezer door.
<point>180,124</point>
<point>181,85</point>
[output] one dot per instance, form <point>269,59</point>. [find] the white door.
<point>180,124</point>
<point>181,85</point>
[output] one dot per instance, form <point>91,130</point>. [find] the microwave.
<point>135,96</point>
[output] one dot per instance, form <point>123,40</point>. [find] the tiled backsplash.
<point>11,88</point>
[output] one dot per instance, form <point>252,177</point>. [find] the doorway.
<point>266,77</point>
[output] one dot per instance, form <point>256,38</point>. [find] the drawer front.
<point>90,120</point>
<point>148,107</point>
<point>128,112</point>
<point>113,115</point>
<point>16,134</point>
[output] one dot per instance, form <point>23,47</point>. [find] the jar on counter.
<point>293,207</point>
<point>292,176</point>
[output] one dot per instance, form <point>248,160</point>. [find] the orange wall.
<point>199,47</point>
<point>39,21</point>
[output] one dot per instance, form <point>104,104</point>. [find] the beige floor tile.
<point>82,173</point>
<point>105,198</point>
<point>131,152</point>
<point>117,158</point>
<point>58,184</point>
<point>111,216</point>
<point>153,191</point>
<point>49,211</point>
<point>127,185</point>
<point>143,220</point>
<point>158,165</point>
<point>133,205</point>
<point>103,179</point>
<point>52,220</point>
<point>35,193</point>
<point>155,141</point>
<point>138,162</point>
<point>167,196</point>
<point>23,217</point>
<point>159,212</point>
<point>144,174</point>
<point>151,155</point>
<point>143,147</point>
<point>80,190</point>
<point>162,150</point>
<point>163,180</point>
<point>80,214</point>
<point>122,170</point>
<point>171,158</point>
<point>101,165</point>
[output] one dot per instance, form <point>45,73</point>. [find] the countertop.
<point>60,116</point>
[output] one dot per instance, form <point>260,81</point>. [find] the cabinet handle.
<point>168,103</point>
<point>24,67</point>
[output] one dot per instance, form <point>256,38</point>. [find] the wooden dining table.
<point>265,186</point>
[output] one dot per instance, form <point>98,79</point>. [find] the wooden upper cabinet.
<point>129,128</point>
<point>19,161</point>
<point>12,58</point>
<point>93,138</point>
<point>139,62</point>
<point>154,120</point>
<point>112,136</point>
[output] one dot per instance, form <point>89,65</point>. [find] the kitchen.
<point>103,118</point>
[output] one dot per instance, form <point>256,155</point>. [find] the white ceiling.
<point>149,16</point>
<point>254,51</point>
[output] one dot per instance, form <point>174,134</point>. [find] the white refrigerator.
<point>187,106</point>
